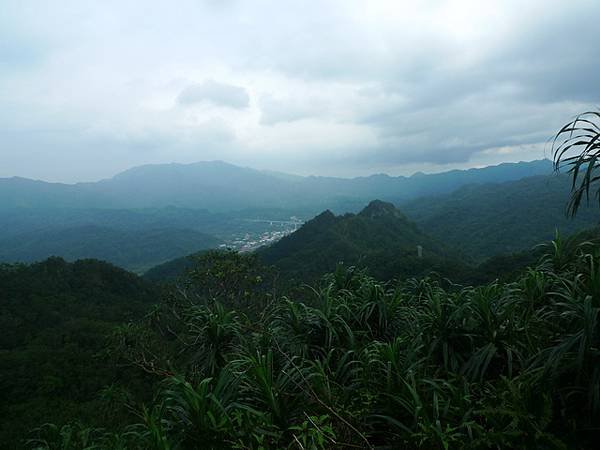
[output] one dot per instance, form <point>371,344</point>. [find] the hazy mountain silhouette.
<point>218,186</point>
<point>136,250</point>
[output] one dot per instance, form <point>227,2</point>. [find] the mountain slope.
<point>56,318</point>
<point>170,270</point>
<point>136,250</point>
<point>379,238</point>
<point>490,219</point>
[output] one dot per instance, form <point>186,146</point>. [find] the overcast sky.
<point>345,88</point>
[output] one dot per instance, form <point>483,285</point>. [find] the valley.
<point>479,211</point>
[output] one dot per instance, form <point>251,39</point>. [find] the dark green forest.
<point>226,359</point>
<point>56,319</point>
<point>337,336</point>
<point>383,241</point>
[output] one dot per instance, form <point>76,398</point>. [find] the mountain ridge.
<point>379,238</point>
<point>219,186</point>
<point>500,218</point>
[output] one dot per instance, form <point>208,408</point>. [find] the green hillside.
<point>56,318</point>
<point>379,238</point>
<point>170,270</point>
<point>491,219</point>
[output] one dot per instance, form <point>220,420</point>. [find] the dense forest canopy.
<point>491,219</point>
<point>56,320</point>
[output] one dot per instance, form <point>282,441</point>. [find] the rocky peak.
<point>378,208</point>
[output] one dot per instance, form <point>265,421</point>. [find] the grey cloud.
<point>44,150</point>
<point>516,91</point>
<point>518,94</point>
<point>275,110</point>
<point>410,92</point>
<point>219,94</point>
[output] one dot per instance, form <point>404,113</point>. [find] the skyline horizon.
<point>278,172</point>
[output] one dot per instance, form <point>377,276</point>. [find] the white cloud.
<point>219,94</point>
<point>275,110</point>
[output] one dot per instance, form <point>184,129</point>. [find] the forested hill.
<point>379,238</point>
<point>219,186</point>
<point>148,215</point>
<point>55,319</point>
<point>70,355</point>
<point>170,270</point>
<point>492,219</point>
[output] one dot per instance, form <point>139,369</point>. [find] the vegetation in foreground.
<point>355,363</point>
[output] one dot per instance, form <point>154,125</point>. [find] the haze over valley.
<point>163,212</point>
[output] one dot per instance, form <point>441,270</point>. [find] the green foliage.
<point>233,278</point>
<point>577,147</point>
<point>364,364</point>
<point>357,363</point>
<point>55,319</point>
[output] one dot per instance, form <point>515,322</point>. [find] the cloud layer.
<point>341,87</point>
<point>218,94</point>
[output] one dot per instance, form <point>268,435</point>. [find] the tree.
<point>577,147</point>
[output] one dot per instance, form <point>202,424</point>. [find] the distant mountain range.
<point>153,214</point>
<point>220,187</point>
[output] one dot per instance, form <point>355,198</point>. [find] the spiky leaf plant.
<point>576,147</point>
